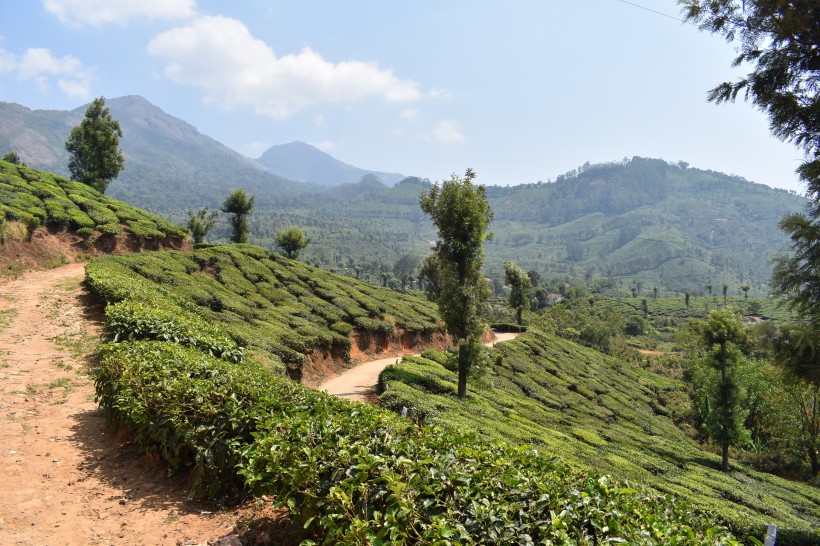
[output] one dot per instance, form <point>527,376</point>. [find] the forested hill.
<point>634,221</point>
<point>638,220</point>
<point>664,223</point>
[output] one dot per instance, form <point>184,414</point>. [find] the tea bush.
<point>355,474</point>
<point>260,300</point>
<point>604,415</point>
<point>39,198</point>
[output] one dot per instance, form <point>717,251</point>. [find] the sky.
<point>520,91</point>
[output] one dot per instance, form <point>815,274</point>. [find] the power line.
<point>656,12</point>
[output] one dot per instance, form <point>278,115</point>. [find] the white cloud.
<point>219,55</point>
<point>409,113</point>
<point>448,131</point>
<point>438,93</point>
<point>100,12</point>
<point>40,66</point>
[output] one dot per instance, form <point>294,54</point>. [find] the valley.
<point>587,427</point>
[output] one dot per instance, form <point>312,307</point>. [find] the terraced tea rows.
<point>603,414</point>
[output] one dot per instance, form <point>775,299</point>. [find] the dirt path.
<point>359,383</point>
<point>67,478</point>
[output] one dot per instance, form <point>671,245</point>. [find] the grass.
<point>6,317</point>
<point>597,413</point>
<point>77,345</point>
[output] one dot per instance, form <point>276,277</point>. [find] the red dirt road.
<point>360,382</point>
<point>67,478</point>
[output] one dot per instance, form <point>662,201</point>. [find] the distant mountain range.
<point>303,162</point>
<point>165,155</point>
<point>639,220</point>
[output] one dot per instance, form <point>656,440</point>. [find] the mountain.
<point>169,164</point>
<point>642,221</point>
<point>300,161</point>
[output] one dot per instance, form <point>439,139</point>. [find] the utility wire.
<point>656,12</point>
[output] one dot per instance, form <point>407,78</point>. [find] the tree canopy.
<point>93,146</point>
<point>722,333</point>
<point>239,205</point>
<point>200,223</point>
<point>519,283</point>
<point>461,213</point>
<point>781,42</point>
<point>291,240</point>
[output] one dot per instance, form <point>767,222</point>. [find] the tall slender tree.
<point>722,334</point>
<point>239,205</point>
<point>462,214</point>
<point>520,284</point>
<point>93,146</point>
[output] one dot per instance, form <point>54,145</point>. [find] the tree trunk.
<point>518,313</point>
<point>463,366</point>
<point>724,465</point>
<point>815,464</point>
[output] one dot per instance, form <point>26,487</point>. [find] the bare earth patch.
<point>359,383</point>
<point>68,478</point>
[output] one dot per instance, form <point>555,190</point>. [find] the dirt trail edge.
<point>359,383</point>
<point>67,478</point>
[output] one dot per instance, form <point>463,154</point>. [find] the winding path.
<point>67,477</point>
<point>359,383</point>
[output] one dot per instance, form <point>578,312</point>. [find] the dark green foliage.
<point>38,198</point>
<point>797,352</point>
<point>462,214</point>
<point>603,414</point>
<point>13,158</point>
<point>520,285</point>
<point>353,474</point>
<point>796,277</point>
<point>93,146</point>
<point>239,205</point>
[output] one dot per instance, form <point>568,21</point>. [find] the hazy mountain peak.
<point>301,161</point>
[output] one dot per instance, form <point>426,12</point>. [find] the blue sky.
<point>520,91</point>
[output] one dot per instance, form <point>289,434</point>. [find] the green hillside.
<point>603,414</point>
<point>636,220</point>
<point>33,198</point>
<point>698,307</point>
<point>188,370</point>
<point>283,311</point>
<point>640,220</point>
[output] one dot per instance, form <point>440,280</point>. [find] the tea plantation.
<point>599,414</point>
<point>187,370</point>
<point>244,296</point>
<point>36,198</point>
